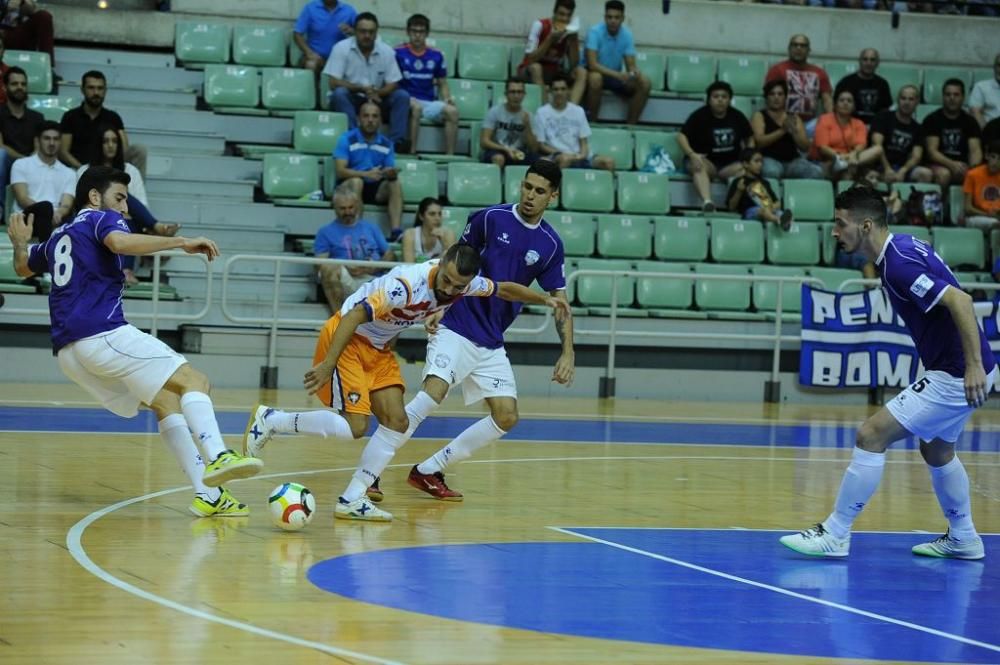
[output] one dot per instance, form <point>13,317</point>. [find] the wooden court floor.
<point>102,563</point>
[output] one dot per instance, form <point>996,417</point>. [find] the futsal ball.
<point>292,506</point>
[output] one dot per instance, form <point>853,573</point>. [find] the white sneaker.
<point>258,431</point>
<point>949,547</point>
<point>817,541</point>
<point>360,509</point>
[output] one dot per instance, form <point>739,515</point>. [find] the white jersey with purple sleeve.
<point>511,251</point>
<point>915,278</point>
<point>87,281</point>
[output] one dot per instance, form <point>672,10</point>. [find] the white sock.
<point>951,484</point>
<point>860,481</point>
<point>200,417</point>
<point>324,423</point>
<point>421,406</point>
<point>375,457</point>
<point>175,433</point>
<point>472,439</point>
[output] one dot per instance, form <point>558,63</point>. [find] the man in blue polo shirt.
<point>366,163</point>
<point>609,45</point>
<point>321,24</point>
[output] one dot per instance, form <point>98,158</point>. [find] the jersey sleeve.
<point>480,287</point>
<point>110,223</point>
<point>37,260</point>
<point>390,292</point>
<point>534,37</point>
<point>474,234</point>
<point>440,68</point>
<point>912,280</point>
<point>553,277</point>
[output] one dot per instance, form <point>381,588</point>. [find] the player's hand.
<point>433,322</point>
<point>317,377</point>
<point>565,369</point>
<point>20,229</point>
<point>374,174</point>
<point>561,307</point>
<point>201,245</point>
<point>975,386</point>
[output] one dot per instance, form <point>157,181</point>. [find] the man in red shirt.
<point>553,48</point>
<point>808,85</point>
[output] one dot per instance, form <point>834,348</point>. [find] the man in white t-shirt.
<point>984,100</point>
<point>562,131</point>
<point>41,178</point>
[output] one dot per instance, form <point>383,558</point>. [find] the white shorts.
<point>482,372</point>
<point>121,368</point>
<point>431,111</point>
<point>935,407</point>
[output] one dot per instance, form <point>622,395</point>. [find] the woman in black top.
<point>781,137</point>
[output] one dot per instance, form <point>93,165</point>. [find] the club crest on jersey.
<point>504,238</point>
<point>442,360</point>
<point>353,397</point>
<point>531,258</point>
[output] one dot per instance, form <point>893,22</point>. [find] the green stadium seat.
<point>737,241</point>
<point>809,200</point>
<point>832,278</point>
<point>10,281</point>
<point>744,105</point>
<point>666,297</point>
<point>960,247</point>
<point>473,184</point>
<point>482,60</point>
<point>283,88</point>
<point>921,232</point>
<point>512,177</point>
<point>956,205</point>
<point>447,46</point>
<point>317,132</point>
<point>472,98</point>
<point>924,110</point>
<point>982,74</point>
<point>721,295</point>
<point>290,176</point>
<point>643,193</point>
<point>838,69</point>
<point>680,238</point>
<point>904,188</point>
<point>198,41</point>
<point>828,244</point>
<point>259,45</point>
<point>576,229</point>
<point>898,75</point>
<point>967,280</point>
<point>623,237</point>
<point>418,178</point>
<point>934,78</point>
<point>588,189</point>
<point>36,65</point>
<point>595,291</point>
<point>798,246</point>
<point>646,141</point>
<point>614,143</point>
<point>53,106</point>
<point>294,53</point>
<point>231,86</point>
<point>690,74</point>
<point>765,294</point>
<point>745,74</point>
<point>654,66</point>
<point>455,219</point>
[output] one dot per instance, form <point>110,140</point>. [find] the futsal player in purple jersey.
<point>960,371</point>
<point>121,366</point>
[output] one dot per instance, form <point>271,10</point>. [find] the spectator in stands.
<point>991,132</point>
<point>781,136</point>
<point>81,136</point>
<point>320,26</point>
<point>554,47</point>
<point>3,70</point>
<point>42,179</point>
<point>842,140</point>
<point>952,137</point>
<point>808,85</point>
<point>609,55</point>
<point>752,196</point>
<point>982,191</point>
<point>901,138</point>
<point>366,164</point>
<point>18,125</point>
<point>563,132</point>
<point>871,92</point>
<point>712,138</point>
<point>984,100</point>
<point>425,79</point>
<point>138,216</point>
<point>348,237</point>
<point>428,239</point>
<point>363,68</point>
<point>25,27</point>
<point>506,136</point>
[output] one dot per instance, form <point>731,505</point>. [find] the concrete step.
<point>240,239</point>
<point>92,57</point>
<point>187,187</point>
<point>246,288</point>
<point>244,267</point>
<point>128,76</point>
<point>235,128</point>
<point>164,100</point>
<point>249,342</point>
<point>159,140</point>
<point>203,166</point>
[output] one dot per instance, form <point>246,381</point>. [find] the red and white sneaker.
<point>433,484</point>
<point>374,492</point>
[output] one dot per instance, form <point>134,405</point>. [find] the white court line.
<point>785,592</point>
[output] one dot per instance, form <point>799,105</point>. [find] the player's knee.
<point>499,160</point>
<point>936,453</point>
<point>505,419</point>
<point>397,422</point>
<point>450,113</point>
<point>870,439</point>
<point>359,427</point>
<point>595,79</point>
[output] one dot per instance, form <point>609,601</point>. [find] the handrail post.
<point>606,384</point>
<point>154,327</point>
<point>269,373</point>
<point>772,387</point>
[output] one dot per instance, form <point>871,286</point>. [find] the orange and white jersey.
<point>404,297</point>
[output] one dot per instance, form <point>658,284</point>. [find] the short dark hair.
<point>513,79</point>
<point>11,71</point>
<point>568,4</point>
<point>366,16</point>
<point>548,170</point>
<point>841,89</point>
<point>465,257</point>
<point>47,126</point>
<point>99,178</point>
<point>863,202</point>
<point>959,82</point>
<point>747,154</point>
<point>93,74</point>
<point>614,4</point>
<point>425,203</point>
<point>992,148</point>
<point>718,85</point>
<point>417,21</point>
<point>775,83</point>
<point>560,76</point>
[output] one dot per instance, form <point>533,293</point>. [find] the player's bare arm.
<point>566,364</point>
<point>317,377</point>
<point>19,230</point>
<point>515,292</point>
<point>959,305</point>
<point>133,244</point>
